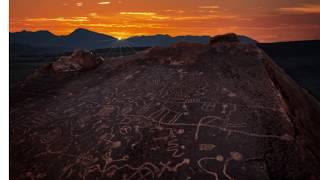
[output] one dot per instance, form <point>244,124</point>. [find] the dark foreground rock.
<point>219,111</point>
<point>231,37</point>
<point>78,61</point>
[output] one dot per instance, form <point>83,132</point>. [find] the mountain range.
<point>86,39</point>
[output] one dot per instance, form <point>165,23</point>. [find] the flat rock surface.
<point>157,115</point>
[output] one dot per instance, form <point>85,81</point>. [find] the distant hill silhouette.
<point>80,38</point>
<point>166,40</point>
<point>86,39</point>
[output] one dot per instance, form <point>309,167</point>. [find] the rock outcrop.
<point>218,111</point>
<point>78,61</point>
<point>227,38</point>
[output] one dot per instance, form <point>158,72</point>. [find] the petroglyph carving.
<point>116,144</point>
<point>236,156</point>
<point>174,147</point>
<point>125,130</point>
<point>86,159</point>
<point>193,100</point>
<point>208,119</point>
<point>219,158</point>
<point>180,131</point>
<point>228,92</point>
<point>126,110</point>
<point>206,147</point>
<point>207,107</point>
<point>166,115</point>
<point>224,106</point>
<point>106,110</point>
<point>156,82</point>
<point>201,162</point>
<point>51,135</point>
<point>166,166</point>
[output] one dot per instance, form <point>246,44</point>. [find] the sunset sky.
<point>263,20</point>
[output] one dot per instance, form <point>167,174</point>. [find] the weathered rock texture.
<point>218,111</point>
<point>78,61</point>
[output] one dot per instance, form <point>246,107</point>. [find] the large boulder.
<point>227,38</point>
<point>79,60</point>
<point>220,111</point>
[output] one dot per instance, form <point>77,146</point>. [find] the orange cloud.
<point>305,9</point>
<point>104,3</point>
<point>126,26</point>
<point>79,4</point>
<point>151,15</point>
<point>138,13</point>
<point>206,17</point>
<point>209,7</point>
<point>59,19</point>
<point>175,11</point>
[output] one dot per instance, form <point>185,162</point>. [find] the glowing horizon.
<point>262,20</point>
